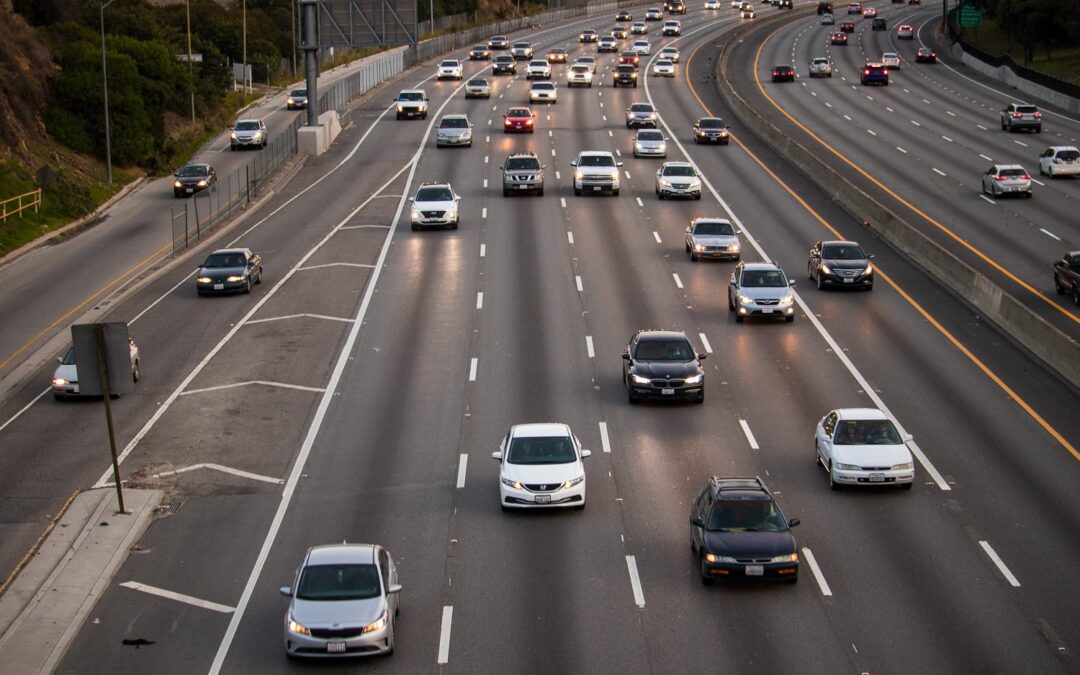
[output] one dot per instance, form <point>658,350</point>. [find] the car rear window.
<point>1028,109</point>
<point>338,582</point>
<point>449,64</point>
<point>1069,155</point>
<point>1011,172</point>
<point>477,83</point>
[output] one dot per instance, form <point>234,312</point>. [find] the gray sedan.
<point>760,289</point>
<point>344,602</point>
<point>712,238</point>
<point>454,130</point>
<point>478,87</point>
<point>650,143</point>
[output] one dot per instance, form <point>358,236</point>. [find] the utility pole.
<point>294,38</point>
<point>245,67</point>
<point>105,86</point>
<point>311,60</point>
<point>191,76</point>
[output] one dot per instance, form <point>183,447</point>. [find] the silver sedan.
<point>454,130</point>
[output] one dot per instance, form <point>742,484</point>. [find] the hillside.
<point>25,69</point>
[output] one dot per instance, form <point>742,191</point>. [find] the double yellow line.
<point>881,273</point>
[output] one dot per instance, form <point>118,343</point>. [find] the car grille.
<point>542,487</point>
<point>717,249</point>
<point>523,179</point>
<point>767,301</point>
<point>847,273</point>
<point>753,561</point>
<point>662,383</point>
<point>432,214</point>
<point>875,468</point>
<point>337,633</point>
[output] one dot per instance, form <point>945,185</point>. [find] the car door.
<point>700,510</point>
<point>733,284</point>
<point>628,362</point>
<point>825,434</point>
<point>815,261</point>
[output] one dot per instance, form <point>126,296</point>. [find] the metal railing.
<point>32,199</point>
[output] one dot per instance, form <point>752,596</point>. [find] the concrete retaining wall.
<point>1005,75</point>
<point>1059,351</point>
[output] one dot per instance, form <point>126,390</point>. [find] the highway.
<point>358,392</point>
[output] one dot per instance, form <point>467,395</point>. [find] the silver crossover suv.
<point>712,238</point>
<point>760,289</point>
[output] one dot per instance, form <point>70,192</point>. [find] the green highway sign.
<point>970,15</point>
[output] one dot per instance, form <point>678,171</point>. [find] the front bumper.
<point>833,279</point>
<point>543,98</point>
<point>453,140</point>
<point>296,105</point>
<point>684,392</point>
<point>349,646</point>
<point>646,151</point>
<point>717,252</point>
<point>677,191</point>
<point>220,286</point>
<point>632,122</point>
<point>770,311</point>
<point>861,477</point>
<point>700,137</point>
<point>187,190</point>
<point>411,112</point>
<point>527,499</point>
<point>596,183</point>
<point>250,142</point>
<point>751,570</point>
<point>442,221</point>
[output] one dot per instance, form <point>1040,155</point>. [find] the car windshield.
<point>842,252</point>
<point>480,48</point>
<point>596,160</point>
<point>650,136</point>
<point>522,164</point>
<point>625,68</point>
<point>640,107</point>
<point>298,93</point>
<point>1011,172</point>
<point>866,432</point>
<point>503,59</point>
<point>224,260</point>
<point>763,279</point>
<point>193,171</point>
<point>434,194</point>
<point>519,112</point>
<point>247,125</point>
<point>579,69</point>
<point>543,86</point>
<point>746,515</point>
<point>668,51</point>
<point>664,350</point>
<point>664,62</point>
<point>338,582</point>
<point>521,45</point>
<point>714,228</point>
<point>538,64</point>
<point>449,64</point>
<point>541,450</point>
<point>411,96</point>
<point>711,124</point>
<point>69,358</point>
<point>454,123</point>
<point>477,83</point>
<point>1068,155</point>
<point>679,171</point>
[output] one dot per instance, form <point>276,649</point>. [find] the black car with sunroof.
<point>738,531</point>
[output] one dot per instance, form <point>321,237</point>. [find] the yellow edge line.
<point>985,258</point>
<point>911,301</point>
<point>26,345</point>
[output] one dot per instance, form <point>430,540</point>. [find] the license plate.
<point>597,188</point>
<point>667,391</point>
<point>335,647</point>
<point>849,281</point>
<point>523,187</point>
<point>219,287</point>
<point>190,190</point>
<point>767,310</point>
<point>877,478</point>
<point>755,570</point>
<point>543,499</point>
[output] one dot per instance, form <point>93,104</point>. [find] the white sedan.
<point>450,69</point>
<point>65,380</point>
<point>862,446</point>
<point>540,466</point>
<point>663,68</point>
<point>543,92</point>
<point>712,4</point>
<point>641,47</point>
<point>891,60</point>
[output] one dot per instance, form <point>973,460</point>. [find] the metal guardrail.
<point>33,199</point>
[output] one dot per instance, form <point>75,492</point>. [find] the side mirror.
<point>791,282</point>
<point>411,199</point>
<point>793,522</point>
<point>702,357</point>
<point>573,163</point>
<point>908,438</point>
<point>457,199</point>
<point>586,453</point>
<point>697,522</point>
<point>626,356</point>
<point>689,230</point>
<point>393,588</point>
<point>618,163</point>
<point>497,455</point>
<point>286,591</point>
<point>59,359</point>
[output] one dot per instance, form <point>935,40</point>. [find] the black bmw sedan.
<point>662,364</point>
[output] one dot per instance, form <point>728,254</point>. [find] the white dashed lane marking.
<point>1000,564</point>
<point>589,346</point>
<point>480,300</point>
<point>678,281</point>
<point>749,435</point>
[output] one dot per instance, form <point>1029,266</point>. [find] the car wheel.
<point>833,485</point>
<point>792,580</point>
<point>1003,125</point>
<point>1076,295</point>
<point>540,192</point>
<point>698,196</point>
<point>247,288</point>
<point>1027,194</point>
<point>135,371</point>
<point>790,319</point>
<point>659,195</point>
<point>579,507</point>
<point>1058,287</point>
<point>703,570</point>
<point>615,192</point>
<point>907,486</point>
<point>415,227</point>
<point>1038,130</point>
<point>258,279</point>
<point>390,641</point>
<point>739,318</point>
<point>631,397</point>
<point>577,191</point>
<point>232,148</point>
<point>58,397</point>
<point>506,193</point>
<point>700,400</point>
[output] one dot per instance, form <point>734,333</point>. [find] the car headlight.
<point>825,269</point>
<point>790,557</point>
<point>713,558</point>
<point>733,247</point>
<point>638,379</point>
<point>401,108</point>
<point>664,182</point>
<point>233,278</point>
<point>745,299</point>
<point>695,379</point>
<point>233,135</point>
<point>177,184</point>
<point>906,466</point>
<point>579,175</point>
<point>511,483</point>
<point>699,247</point>
<point>694,184</point>
<point>573,481</point>
<point>59,381</point>
<point>298,628</point>
<point>848,467</point>
<point>289,101</point>
<point>203,280</point>
<point>378,624</point>
<point>786,300</point>
<point>202,183</point>
<point>868,271</point>
<point>416,215</point>
<point>638,146</point>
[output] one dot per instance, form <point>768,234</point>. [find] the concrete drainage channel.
<point>1056,349</point>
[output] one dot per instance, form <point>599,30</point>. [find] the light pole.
<point>432,12</point>
<point>191,77</point>
<point>105,86</point>
<point>244,70</point>
<point>294,38</point>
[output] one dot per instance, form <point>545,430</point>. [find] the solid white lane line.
<point>989,159</point>
<point>333,264</point>
<point>705,343</point>
<point>479,299</point>
<point>678,281</point>
<point>463,461</point>
<point>1020,143</point>
<point>1013,581</point>
<point>749,435</point>
<point>946,138</point>
<point>656,236</point>
<point>562,202</point>
<point>604,440</point>
<point>472,369</point>
<point>577,280</point>
<point>223,469</point>
<point>570,237</point>
<point>635,581</point>
<point>483,212</point>
<point>26,407</point>
<point>179,597</point>
<point>988,199</point>
<point>639,202</point>
<point>1049,233</point>
<point>589,346</point>
<point>265,383</point>
<point>939,172</point>
<point>444,634</point>
<point>483,250</point>
<point>871,132</point>
<point>810,560</point>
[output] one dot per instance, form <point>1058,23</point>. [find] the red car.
<point>847,27</point>
<point>519,119</point>
<point>629,57</point>
<point>838,39</point>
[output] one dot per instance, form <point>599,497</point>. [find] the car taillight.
<point>885,72</point>
<point>1017,115</point>
<point>934,54</point>
<point>1025,177</point>
<point>1038,115</point>
<point>866,72</point>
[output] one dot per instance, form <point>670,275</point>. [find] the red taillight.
<point>1025,177</point>
<point>885,72</point>
<point>866,72</point>
<point>1017,115</point>
<point>1038,114</point>
<point>934,54</point>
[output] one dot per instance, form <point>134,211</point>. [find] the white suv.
<point>435,205</point>
<point>450,69</point>
<point>579,74</point>
<point>540,466</point>
<point>596,171</point>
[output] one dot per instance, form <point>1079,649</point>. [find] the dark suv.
<point>875,73</point>
<point>504,64</point>
<point>738,530</point>
<point>624,74</point>
<point>662,364</point>
<point>522,172</point>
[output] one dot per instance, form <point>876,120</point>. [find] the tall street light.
<point>105,85</point>
<point>245,68</point>
<point>191,77</point>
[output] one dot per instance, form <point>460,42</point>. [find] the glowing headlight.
<point>665,183</point>
<point>733,247</point>
<point>204,280</point>
<point>511,483</point>
<point>638,146</point>
<point>378,624</point>
<point>289,101</point>
<point>906,466</point>
<point>572,482</point>
<point>786,300</point>
<point>848,467</point>
<point>202,183</point>
<point>825,269</point>
<point>297,628</point>
<point>232,135</point>
<point>695,379</point>
<point>234,278</point>
<point>401,108</point>
<point>638,379</point>
<point>745,299</point>
<point>699,247</point>
<point>791,557</point>
<point>416,215</point>
<point>177,184</point>
<point>59,381</point>
<point>719,558</point>
<point>868,271</point>
<point>579,175</point>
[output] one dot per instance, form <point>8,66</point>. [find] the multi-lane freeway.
<point>358,393</point>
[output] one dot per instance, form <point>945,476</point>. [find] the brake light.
<point>1025,177</point>
<point>1017,115</point>
<point>1038,114</point>
<point>885,72</point>
<point>866,72</point>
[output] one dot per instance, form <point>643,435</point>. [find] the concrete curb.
<point>1052,346</point>
<point>45,607</point>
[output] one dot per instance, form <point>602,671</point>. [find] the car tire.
<point>540,192</point>
<point>1058,286</point>
<point>659,195</point>
<point>135,371</point>
<point>701,399</point>
<point>833,485</point>
<point>698,196</point>
<point>790,319</point>
<point>739,318</point>
<point>415,227</point>
<point>615,192</point>
<point>506,192</point>
<point>1038,130</point>
<point>258,279</point>
<point>631,398</point>
<point>792,580</point>
<point>577,192</point>
<point>247,288</point>
<point>579,507</point>
<point>1076,295</point>
<point>58,397</point>
<point>817,282</point>
<point>1027,195</point>
<point>907,486</point>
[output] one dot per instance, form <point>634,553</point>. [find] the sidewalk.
<point>44,608</point>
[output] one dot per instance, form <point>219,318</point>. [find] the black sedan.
<point>710,130</point>
<point>840,263</point>
<point>925,55</point>
<point>783,74</point>
<point>229,269</point>
<point>737,530</point>
<point>192,178</point>
<point>662,364</point>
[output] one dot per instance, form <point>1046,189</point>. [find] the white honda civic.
<point>540,466</point>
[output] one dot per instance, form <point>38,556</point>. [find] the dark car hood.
<point>846,264</point>
<point>191,180</point>
<point>665,368</point>
<point>750,544</point>
<point>221,272</point>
